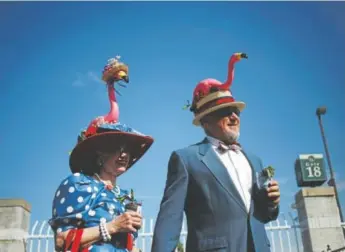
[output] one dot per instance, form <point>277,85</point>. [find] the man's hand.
<point>273,192</point>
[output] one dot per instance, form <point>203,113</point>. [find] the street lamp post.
<point>319,112</point>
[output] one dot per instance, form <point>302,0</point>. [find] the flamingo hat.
<point>211,95</point>
<point>106,133</point>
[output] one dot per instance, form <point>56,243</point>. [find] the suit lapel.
<point>210,159</point>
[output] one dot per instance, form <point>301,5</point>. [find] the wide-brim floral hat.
<point>106,134</point>
<point>108,138</point>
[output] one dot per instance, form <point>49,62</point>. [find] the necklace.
<point>109,186</point>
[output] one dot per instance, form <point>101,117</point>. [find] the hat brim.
<point>239,105</point>
<point>84,154</point>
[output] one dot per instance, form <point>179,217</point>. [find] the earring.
<point>122,149</point>
<point>100,162</point>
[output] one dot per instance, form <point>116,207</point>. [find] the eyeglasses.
<point>225,112</point>
<point>123,157</point>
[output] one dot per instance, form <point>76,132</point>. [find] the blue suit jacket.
<point>199,185</point>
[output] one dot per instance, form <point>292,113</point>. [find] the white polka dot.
<point>80,199</point>
<point>90,247</point>
<point>59,230</point>
<point>65,183</point>
<point>71,189</point>
<point>93,196</point>
<point>95,188</point>
<point>62,200</point>
<point>111,206</point>
<point>111,211</point>
<point>89,189</point>
<point>92,213</point>
<point>123,209</point>
<point>57,193</point>
<point>96,181</point>
<point>76,174</point>
<point>103,220</point>
<point>115,200</point>
<point>79,215</point>
<point>87,207</point>
<point>69,209</point>
<point>54,211</point>
<point>103,194</point>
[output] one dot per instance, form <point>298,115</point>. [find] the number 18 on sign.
<point>310,170</point>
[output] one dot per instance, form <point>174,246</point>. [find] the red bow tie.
<point>234,147</point>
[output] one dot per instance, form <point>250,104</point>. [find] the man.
<point>215,182</point>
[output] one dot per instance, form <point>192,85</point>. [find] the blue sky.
<point>52,55</point>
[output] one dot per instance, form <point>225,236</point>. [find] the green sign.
<point>310,170</point>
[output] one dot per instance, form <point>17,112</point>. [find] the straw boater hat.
<point>211,95</point>
<point>105,133</point>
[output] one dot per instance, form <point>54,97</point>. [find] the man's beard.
<point>231,137</point>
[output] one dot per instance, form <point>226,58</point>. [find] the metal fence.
<point>283,235</point>
<point>339,250</point>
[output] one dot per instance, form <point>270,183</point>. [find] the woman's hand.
<point>59,242</point>
<point>127,222</point>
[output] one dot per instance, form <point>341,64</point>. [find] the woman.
<point>89,210</point>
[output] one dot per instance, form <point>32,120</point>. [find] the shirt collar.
<point>214,141</point>
<point>221,146</point>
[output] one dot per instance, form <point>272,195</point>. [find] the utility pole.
<point>319,112</point>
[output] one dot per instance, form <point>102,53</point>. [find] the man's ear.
<point>203,124</point>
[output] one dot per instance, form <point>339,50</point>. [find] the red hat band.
<point>212,100</point>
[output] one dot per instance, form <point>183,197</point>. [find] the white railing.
<point>283,236</point>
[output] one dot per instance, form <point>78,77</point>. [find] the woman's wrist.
<point>111,228</point>
<point>106,236</point>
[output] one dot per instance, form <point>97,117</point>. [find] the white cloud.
<point>78,82</point>
<point>282,180</point>
<point>84,79</point>
<point>93,77</point>
<point>340,184</point>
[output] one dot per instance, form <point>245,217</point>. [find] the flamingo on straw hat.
<point>114,71</point>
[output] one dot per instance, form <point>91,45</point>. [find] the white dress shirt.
<point>238,168</point>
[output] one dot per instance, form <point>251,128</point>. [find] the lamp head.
<point>321,111</point>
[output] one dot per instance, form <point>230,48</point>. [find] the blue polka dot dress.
<point>82,201</point>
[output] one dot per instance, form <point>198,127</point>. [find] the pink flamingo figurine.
<point>202,89</point>
<point>113,72</point>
